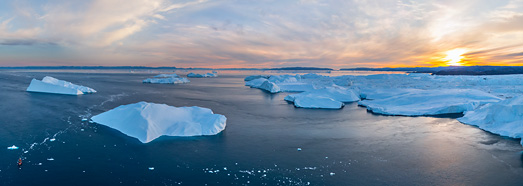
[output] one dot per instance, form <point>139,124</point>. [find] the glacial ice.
<point>170,80</point>
<point>331,98</point>
<point>167,76</point>
<point>52,85</point>
<point>250,78</point>
<point>504,118</point>
<point>12,147</point>
<point>430,102</point>
<point>148,121</point>
<point>193,75</point>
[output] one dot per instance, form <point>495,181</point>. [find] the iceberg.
<point>171,80</point>
<point>193,75</point>
<point>167,76</point>
<point>430,102</point>
<point>504,118</point>
<point>52,85</point>
<point>12,147</point>
<point>250,78</point>
<point>331,98</point>
<point>256,83</point>
<point>148,121</point>
<point>270,86</point>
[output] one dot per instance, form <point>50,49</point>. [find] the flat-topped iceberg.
<point>430,102</point>
<point>148,121</point>
<point>193,75</point>
<point>331,98</point>
<point>52,85</point>
<point>504,118</point>
<point>171,80</point>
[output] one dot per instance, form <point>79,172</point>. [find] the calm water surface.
<point>258,147</point>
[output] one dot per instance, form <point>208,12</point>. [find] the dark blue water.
<point>258,146</point>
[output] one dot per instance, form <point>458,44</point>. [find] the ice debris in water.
<point>50,159</point>
<point>84,119</point>
<point>12,147</point>
<point>52,139</point>
<point>151,168</point>
<point>332,173</point>
<point>299,149</point>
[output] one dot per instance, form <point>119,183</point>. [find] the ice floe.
<point>148,121</point>
<point>331,98</point>
<point>167,76</point>
<point>430,102</point>
<point>193,75</point>
<point>504,118</point>
<point>12,147</point>
<point>171,80</point>
<point>52,85</point>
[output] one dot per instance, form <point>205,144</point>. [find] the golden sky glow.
<point>259,34</point>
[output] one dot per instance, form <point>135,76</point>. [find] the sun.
<point>454,57</point>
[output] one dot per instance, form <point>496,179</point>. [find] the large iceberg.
<point>504,118</point>
<point>148,121</point>
<point>193,75</point>
<point>171,80</point>
<point>331,98</point>
<point>52,85</point>
<point>430,102</point>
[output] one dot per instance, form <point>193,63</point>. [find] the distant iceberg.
<point>330,98</point>
<point>56,86</point>
<point>148,121</point>
<point>171,80</point>
<point>430,102</point>
<point>193,75</point>
<point>504,118</point>
<point>167,76</point>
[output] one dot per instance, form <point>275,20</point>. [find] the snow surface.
<point>171,80</point>
<point>193,75</point>
<point>148,121</point>
<point>504,118</point>
<point>56,86</point>
<point>428,102</point>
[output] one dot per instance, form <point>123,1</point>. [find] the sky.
<point>261,33</point>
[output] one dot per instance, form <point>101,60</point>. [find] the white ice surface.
<point>167,76</point>
<point>171,80</point>
<point>504,118</point>
<point>53,85</point>
<point>332,98</point>
<point>430,102</point>
<point>193,75</point>
<point>12,147</point>
<point>148,121</point>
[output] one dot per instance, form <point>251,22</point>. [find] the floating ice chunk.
<point>250,78</point>
<point>52,139</point>
<point>193,75</point>
<point>55,86</point>
<point>84,119</point>
<point>504,118</point>
<point>167,76</point>
<point>12,147</point>
<point>171,80</point>
<point>256,83</point>
<point>332,173</point>
<point>331,98</point>
<point>299,149</point>
<point>270,86</point>
<point>50,159</point>
<point>148,121</point>
<point>430,102</point>
<point>151,168</point>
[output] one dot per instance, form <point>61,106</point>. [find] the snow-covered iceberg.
<point>430,102</point>
<point>171,80</point>
<point>331,98</point>
<point>52,85</point>
<point>504,118</point>
<point>253,77</point>
<point>148,121</point>
<point>193,75</point>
